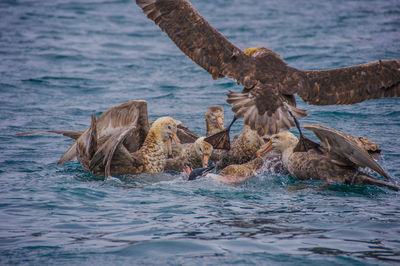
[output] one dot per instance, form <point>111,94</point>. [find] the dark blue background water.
<point>61,61</point>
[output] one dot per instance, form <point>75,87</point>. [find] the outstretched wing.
<point>121,116</point>
<point>113,146</point>
<point>344,146</point>
<point>73,134</point>
<point>70,154</point>
<point>353,84</point>
<point>185,135</point>
<point>199,40</point>
<point>110,123</point>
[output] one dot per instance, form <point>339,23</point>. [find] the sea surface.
<point>62,61</point>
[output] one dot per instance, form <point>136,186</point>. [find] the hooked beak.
<point>204,160</point>
<point>251,51</point>
<point>220,122</point>
<point>265,148</point>
<point>172,138</point>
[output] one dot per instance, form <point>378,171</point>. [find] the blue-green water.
<point>61,61</point>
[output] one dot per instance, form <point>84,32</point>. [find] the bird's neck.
<point>191,154</point>
<point>154,153</point>
<point>211,130</point>
<point>287,153</point>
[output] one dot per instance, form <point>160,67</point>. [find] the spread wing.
<point>122,129</point>
<point>110,123</point>
<point>344,146</point>
<point>124,115</point>
<point>212,51</point>
<point>353,84</point>
<point>73,134</point>
<point>113,146</point>
<point>185,135</point>
<point>199,40</point>
<point>70,154</point>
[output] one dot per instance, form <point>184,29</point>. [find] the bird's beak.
<point>172,138</point>
<point>220,122</point>
<point>251,51</point>
<point>204,160</point>
<point>265,148</point>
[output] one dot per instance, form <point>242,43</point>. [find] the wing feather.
<point>346,147</point>
<point>199,40</point>
<point>349,85</point>
<point>274,115</point>
<point>123,115</point>
<point>104,155</point>
<point>73,134</point>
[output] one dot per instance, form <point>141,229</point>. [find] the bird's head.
<point>215,119</point>
<point>282,141</point>
<point>204,150</point>
<point>262,52</point>
<point>166,127</point>
<point>253,51</point>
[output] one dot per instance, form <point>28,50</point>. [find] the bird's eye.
<point>169,127</point>
<point>277,137</point>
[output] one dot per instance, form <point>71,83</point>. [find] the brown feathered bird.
<point>194,155</point>
<point>269,83</point>
<point>215,121</point>
<point>113,158</point>
<point>237,173</point>
<point>337,159</point>
<point>129,119</point>
<point>110,144</point>
<point>243,149</point>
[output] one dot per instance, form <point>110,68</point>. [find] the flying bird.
<point>267,101</point>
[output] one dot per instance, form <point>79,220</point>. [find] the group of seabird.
<point>123,141</point>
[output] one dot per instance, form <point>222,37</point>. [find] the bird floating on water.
<point>193,155</point>
<point>267,101</point>
<point>337,159</point>
<point>243,149</point>
<point>121,141</point>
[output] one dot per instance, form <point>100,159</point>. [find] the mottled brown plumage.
<point>243,149</point>
<point>106,147</point>
<point>273,159</point>
<point>106,144</point>
<point>237,173</point>
<point>194,155</point>
<point>337,159</point>
<point>269,83</point>
<point>114,158</point>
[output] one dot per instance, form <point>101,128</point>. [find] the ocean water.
<point>63,60</point>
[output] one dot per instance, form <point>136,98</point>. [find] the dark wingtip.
<point>305,144</point>
<point>220,140</point>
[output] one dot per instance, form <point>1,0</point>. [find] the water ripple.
<point>65,60</point>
